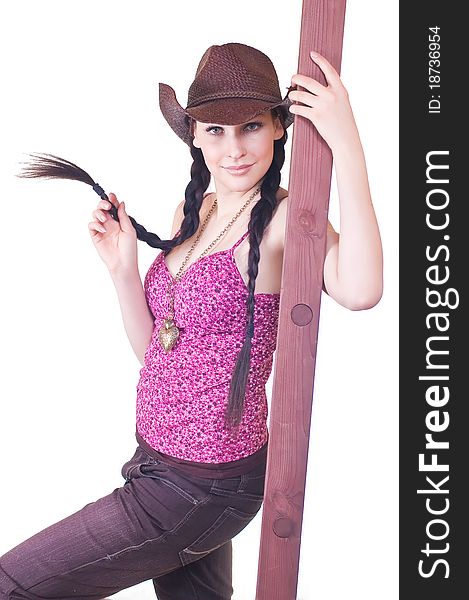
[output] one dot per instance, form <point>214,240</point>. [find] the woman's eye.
<point>215,130</point>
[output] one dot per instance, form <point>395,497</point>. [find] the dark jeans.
<point>162,524</point>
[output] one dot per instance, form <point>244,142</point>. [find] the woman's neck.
<point>229,202</point>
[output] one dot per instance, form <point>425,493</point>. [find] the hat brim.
<point>230,111</point>
<point>223,111</point>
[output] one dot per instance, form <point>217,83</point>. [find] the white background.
<point>80,80</point>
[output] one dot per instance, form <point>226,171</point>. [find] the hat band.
<point>234,94</point>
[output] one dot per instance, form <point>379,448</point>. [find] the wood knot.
<point>307,221</point>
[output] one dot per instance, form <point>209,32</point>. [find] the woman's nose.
<point>235,147</point>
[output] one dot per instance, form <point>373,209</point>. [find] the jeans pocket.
<point>170,483</point>
<point>248,487</point>
<point>228,487</point>
<point>142,465</point>
<point>230,522</point>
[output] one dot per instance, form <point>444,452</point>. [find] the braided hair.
<point>50,166</point>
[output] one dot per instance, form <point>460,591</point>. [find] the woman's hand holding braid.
<point>116,242</point>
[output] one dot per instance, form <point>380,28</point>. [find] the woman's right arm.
<point>116,243</point>
<point>137,318</point>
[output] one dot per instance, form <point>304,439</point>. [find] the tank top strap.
<point>243,237</point>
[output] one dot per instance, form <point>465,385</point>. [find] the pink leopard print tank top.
<point>182,394</point>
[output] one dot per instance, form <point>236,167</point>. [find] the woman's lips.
<point>238,170</point>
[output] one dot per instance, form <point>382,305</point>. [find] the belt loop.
<point>243,483</point>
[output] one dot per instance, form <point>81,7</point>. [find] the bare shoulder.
<point>279,220</point>
<point>179,214</point>
<point>178,217</point>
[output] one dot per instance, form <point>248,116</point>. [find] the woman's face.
<point>249,145</point>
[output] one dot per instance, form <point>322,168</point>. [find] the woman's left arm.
<point>353,267</point>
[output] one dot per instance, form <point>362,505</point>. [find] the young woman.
<point>203,324</point>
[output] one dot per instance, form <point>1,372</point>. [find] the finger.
<point>113,199</point>
<point>104,204</point>
<point>96,228</point>
<point>125,222</point>
<point>303,111</point>
<point>308,83</point>
<point>304,97</point>
<point>330,73</point>
<point>114,206</point>
<point>100,216</point>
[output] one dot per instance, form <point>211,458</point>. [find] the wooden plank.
<point>322,27</point>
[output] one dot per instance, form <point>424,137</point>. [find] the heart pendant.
<point>168,334</point>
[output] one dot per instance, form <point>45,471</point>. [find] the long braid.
<point>194,194</point>
<point>261,216</point>
<point>49,166</point>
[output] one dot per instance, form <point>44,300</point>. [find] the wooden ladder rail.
<point>322,27</point>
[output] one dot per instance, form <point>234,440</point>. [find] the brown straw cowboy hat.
<point>233,84</point>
